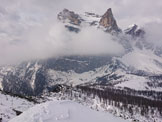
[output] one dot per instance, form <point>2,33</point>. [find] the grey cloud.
<point>153,33</point>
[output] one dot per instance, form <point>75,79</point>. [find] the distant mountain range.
<point>139,68</point>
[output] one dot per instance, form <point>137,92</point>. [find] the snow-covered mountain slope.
<point>64,111</point>
<point>20,78</point>
<point>139,83</point>
<point>114,74</point>
<point>73,78</point>
<point>10,106</point>
<point>31,78</point>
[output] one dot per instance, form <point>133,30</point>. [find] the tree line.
<point>125,100</point>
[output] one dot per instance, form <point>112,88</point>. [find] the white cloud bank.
<point>55,40</point>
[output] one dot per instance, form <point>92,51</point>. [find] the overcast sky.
<point>29,28</point>
<point>126,11</point>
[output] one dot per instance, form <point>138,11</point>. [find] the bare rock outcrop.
<point>70,16</point>
<point>108,21</point>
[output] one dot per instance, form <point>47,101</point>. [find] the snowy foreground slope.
<point>64,111</point>
<point>10,104</point>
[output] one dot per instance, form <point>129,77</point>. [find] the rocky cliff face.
<point>70,16</point>
<point>108,21</point>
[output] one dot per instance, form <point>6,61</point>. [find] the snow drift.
<point>64,111</point>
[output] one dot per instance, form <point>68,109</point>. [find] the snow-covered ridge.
<point>64,111</point>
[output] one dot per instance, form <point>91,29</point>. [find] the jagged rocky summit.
<point>73,22</point>
<point>108,21</point>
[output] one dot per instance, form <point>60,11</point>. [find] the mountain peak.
<point>135,31</point>
<point>109,11</point>
<point>67,15</point>
<point>108,21</point>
